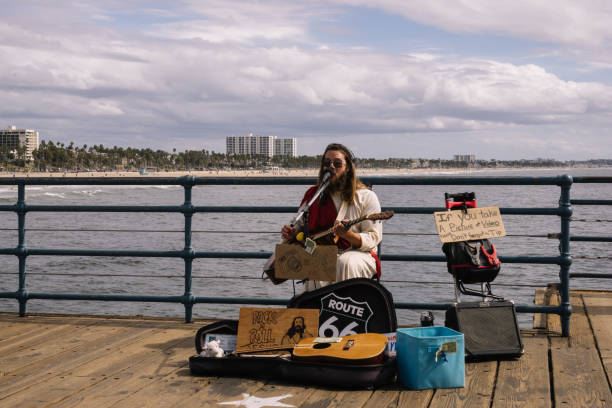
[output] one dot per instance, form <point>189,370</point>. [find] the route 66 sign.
<point>343,316</point>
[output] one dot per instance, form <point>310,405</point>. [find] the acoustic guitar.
<point>268,268</point>
<point>364,349</point>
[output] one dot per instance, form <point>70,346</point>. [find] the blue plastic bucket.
<point>430,357</point>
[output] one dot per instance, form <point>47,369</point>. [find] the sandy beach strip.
<point>209,173</point>
<point>275,173</point>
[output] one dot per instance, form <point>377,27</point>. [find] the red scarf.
<point>321,215</point>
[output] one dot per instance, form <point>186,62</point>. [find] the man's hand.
<point>288,232</point>
<point>352,237</point>
<point>339,230</point>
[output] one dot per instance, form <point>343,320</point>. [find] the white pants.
<point>350,264</point>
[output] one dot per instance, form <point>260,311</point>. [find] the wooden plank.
<point>539,319</point>
<point>120,385</point>
<point>410,399</point>
<point>120,367</point>
<point>479,380</point>
<point>524,382</point>
<point>599,309</point>
<point>27,351</point>
<point>400,396</point>
<point>383,398</point>
<point>82,378</point>
<point>581,334</point>
<point>177,388</point>
<point>273,392</point>
<point>553,321</point>
<point>101,343</point>
<point>48,340</point>
<point>26,335</point>
<point>578,375</point>
<point>15,328</point>
<point>11,331</point>
<point>41,347</point>
<point>322,398</point>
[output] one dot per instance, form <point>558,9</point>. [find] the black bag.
<point>472,261</point>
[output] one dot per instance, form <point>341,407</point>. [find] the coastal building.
<point>14,138</point>
<point>261,145</point>
<point>468,158</point>
<point>285,147</point>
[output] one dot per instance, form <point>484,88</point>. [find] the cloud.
<point>565,21</point>
<point>201,71</point>
<point>577,31</point>
<point>231,21</point>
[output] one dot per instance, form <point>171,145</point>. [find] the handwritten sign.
<point>476,223</point>
<point>293,262</point>
<point>261,329</point>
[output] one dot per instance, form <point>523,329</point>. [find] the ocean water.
<point>403,234</point>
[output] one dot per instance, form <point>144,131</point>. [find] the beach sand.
<point>205,173</point>
<point>281,172</point>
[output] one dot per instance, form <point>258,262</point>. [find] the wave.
<point>63,193</point>
<point>8,193</point>
<point>78,193</point>
<point>85,190</point>
<point>49,194</point>
<point>66,192</point>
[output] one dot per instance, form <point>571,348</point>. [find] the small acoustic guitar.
<point>364,349</point>
<point>269,265</point>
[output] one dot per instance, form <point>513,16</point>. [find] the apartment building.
<point>261,145</point>
<point>468,158</point>
<point>13,138</point>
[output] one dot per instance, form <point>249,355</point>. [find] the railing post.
<point>564,251</point>
<point>188,250</point>
<point>22,293</point>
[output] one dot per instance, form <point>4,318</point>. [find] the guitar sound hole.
<point>319,346</point>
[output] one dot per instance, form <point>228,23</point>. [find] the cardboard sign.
<point>476,223</point>
<point>293,262</point>
<point>261,329</point>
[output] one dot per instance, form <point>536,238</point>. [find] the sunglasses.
<point>337,163</point>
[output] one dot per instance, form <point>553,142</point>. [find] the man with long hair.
<point>296,332</point>
<point>345,198</point>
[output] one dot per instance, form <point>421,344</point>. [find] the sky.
<point>501,80</point>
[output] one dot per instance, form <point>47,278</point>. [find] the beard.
<point>297,329</point>
<point>338,183</point>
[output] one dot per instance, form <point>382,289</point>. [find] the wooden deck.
<point>71,361</point>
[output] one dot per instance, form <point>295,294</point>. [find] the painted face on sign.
<point>298,322</point>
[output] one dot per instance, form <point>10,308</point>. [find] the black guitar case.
<point>352,306</point>
<point>284,368</point>
<point>298,372</point>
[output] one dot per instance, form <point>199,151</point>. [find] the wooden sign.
<point>293,262</point>
<point>476,223</point>
<point>261,329</point>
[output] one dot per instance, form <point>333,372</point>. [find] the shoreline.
<point>285,172</point>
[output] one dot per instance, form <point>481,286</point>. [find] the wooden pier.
<point>75,361</point>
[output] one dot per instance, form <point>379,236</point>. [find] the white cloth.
<point>356,262</point>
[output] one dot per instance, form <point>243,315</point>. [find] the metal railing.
<point>188,253</point>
